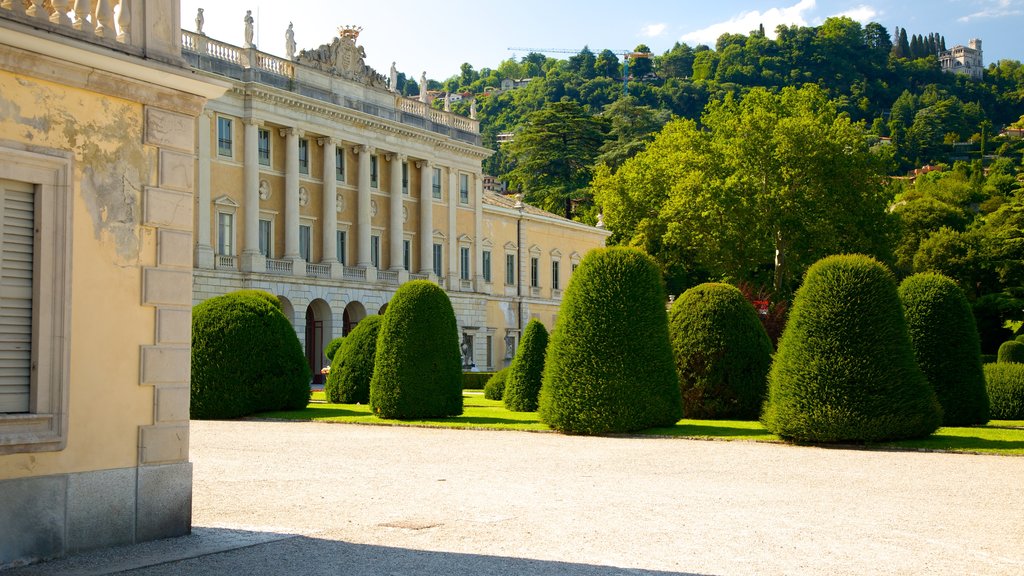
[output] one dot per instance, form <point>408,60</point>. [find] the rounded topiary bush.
<point>332,347</point>
<point>348,382</point>
<point>609,363</point>
<point>845,368</point>
<point>1005,383</point>
<point>722,353</point>
<point>417,370</point>
<point>525,374</point>
<point>246,358</point>
<point>495,387</point>
<point>946,346</point>
<point>1011,351</point>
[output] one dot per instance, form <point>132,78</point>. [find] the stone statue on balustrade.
<point>472,109</point>
<point>423,87</point>
<point>248,30</point>
<point>199,22</point>
<point>393,80</point>
<point>289,42</point>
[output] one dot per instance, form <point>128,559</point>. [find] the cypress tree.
<point>348,382</point>
<point>525,374</point>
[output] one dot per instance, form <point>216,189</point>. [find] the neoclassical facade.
<point>317,183</point>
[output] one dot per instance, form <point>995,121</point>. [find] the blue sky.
<point>439,38</point>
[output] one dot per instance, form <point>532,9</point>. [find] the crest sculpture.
<point>343,57</point>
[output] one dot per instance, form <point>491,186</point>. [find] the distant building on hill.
<point>964,59</point>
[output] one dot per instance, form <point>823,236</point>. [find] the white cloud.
<point>995,9</point>
<point>862,13</point>
<point>744,22</point>
<point>654,30</point>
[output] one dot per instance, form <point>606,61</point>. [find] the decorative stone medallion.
<point>405,214</point>
<point>264,190</point>
<point>303,196</point>
<point>373,207</point>
<point>340,202</point>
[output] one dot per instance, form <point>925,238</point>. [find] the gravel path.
<point>389,500</point>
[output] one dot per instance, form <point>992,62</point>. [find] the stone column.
<point>426,218</point>
<point>363,207</point>
<point>397,225</point>
<point>204,248</point>
<point>252,259</point>
<point>291,200</point>
<point>454,261</point>
<point>478,234</point>
<point>330,207</point>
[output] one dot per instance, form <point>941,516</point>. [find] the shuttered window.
<point>17,225</point>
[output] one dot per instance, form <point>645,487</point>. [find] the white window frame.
<point>435,184</point>
<point>226,241</point>
<point>306,227</point>
<point>465,263</point>
<point>485,258</point>
<point>374,171</point>
<point>304,156</point>
<point>44,428</point>
<point>375,249</point>
<point>339,164</point>
<point>438,259</point>
<point>464,189</point>
<point>259,146</point>
<point>271,217</point>
<point>341,243</point>
<point>405,177</point>
<point>225,137</point>
<point>407,254</point>
<point>510,272</point>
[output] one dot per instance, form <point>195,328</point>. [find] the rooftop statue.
<point>344,58</point>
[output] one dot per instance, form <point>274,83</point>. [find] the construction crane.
<point>626,56</point>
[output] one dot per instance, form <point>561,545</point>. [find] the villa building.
<point>316,182</point>
<point>964,60</point>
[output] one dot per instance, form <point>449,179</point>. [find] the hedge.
<point>418,368</point>
<point>332,347</point>
<point>495,387</point>
<point>1011,351</point>
<point>609,363</point>
<point>1005,384</point>
<point>845,368</point>
<point>475,380</point>
<point>946,346</point>
<point>348,382</point>
<point>722,353</point>
<point>246,358</point>
<point>525,375</point>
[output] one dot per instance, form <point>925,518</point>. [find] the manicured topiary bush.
<point>418,371</point>
<point>495,387</point>
<point>348,382</point>
<point>1011,351</point>
<point>946,346</point>
<point>722,353</point>
<point>609,364</point>
<point>475,380</point>
<point>1005,384</point>
<point>246,358</point>
<point>333,347</point>
<point>525,374</point>
<point>845,368</point>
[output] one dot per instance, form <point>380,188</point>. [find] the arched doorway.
<point>354,312</point>
<point>318,330</point>
<point>383,309</point>
<point>287,309</point>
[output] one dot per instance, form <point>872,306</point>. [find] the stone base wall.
<point>50,516</point>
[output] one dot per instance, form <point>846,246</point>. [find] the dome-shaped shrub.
<point>333,347</point>
<point>348,382</point>
<point>722,353</point>
<point>1011,351</point>
<point>417,372</point>
<point>1005,383</point>
<point>525,374</point>
<point>845,368</point>
<point>246,358</point>
<point>946,346</point>
<point>609,363</point>
<point>495,387</point>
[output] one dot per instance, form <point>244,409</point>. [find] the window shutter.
<point>17,231</point>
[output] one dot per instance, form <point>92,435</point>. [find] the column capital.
<point>250,121</point>
<point>292,132</point>
<point>364,148</point>
<point>424,163</point>
<point>392,156</point>
<point>209,113</point>
<point>327,141</point>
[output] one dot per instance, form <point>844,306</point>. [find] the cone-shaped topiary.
<point>845,368</point>
<point>609,363</point>
<point>417,371</point>
<point>348,382</point>
<point>495,387</point>
<point>332,347</point>
<point>1011,351</point>
<point>722,353</point>
<point>246,358</point>
<point>1005,384</point>
<point>525,374</point>
<point>946,346</point>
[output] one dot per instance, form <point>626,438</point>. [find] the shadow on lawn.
<point>708,431</point>
<point>965,443</point>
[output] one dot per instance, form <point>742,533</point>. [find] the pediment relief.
<point>225,200</point>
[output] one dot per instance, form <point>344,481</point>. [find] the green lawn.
<point>1004,437</point>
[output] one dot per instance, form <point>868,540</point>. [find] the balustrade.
<point>279,267</point>
<point>318,270</point>
<point>100,20</point>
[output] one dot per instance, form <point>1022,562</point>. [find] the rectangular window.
<point>405,178</point>
<point>437,184</point>
<point>374,172</point>
<point>535,272</point>
<point>573,269</point>
<point>339,164</point>
<point>305,242</point>
<point>224,136</point>
<point>17,226</point>
<point>554,275</point>
<point>375,251</point>
<point>264,146</point>
<point>510,269</point>
<point>464,262</point>
<point>266,238</point>
<point>438,251</point>
<point>303,156</point>
<point>487,266</point>
<point>490,351</point>
<point>340,236</point>
<point>407,254</point>
<point>464,188</point>
<point>225,234</point>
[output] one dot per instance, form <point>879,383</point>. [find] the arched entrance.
<point>383,309</point>
<point>318,315</point>
<point>287,309</point>
<point>354,312</point>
